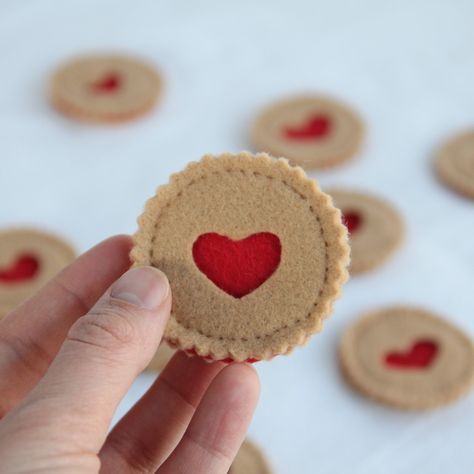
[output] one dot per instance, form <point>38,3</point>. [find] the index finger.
<point>31,335</point>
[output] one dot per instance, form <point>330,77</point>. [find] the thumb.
<point>102,354</point>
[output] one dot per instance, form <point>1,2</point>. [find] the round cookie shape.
<point>454,163</point>
<point>254,251</point>
<point>311,131</point>
<point>249,460</point>
<point>162,356</point>
<point>28,259</point>
<point>105,88</point>
<point>376,229</point>
<point>407,358</point>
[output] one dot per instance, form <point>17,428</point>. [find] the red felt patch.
<point>23,268</point>
<point>352,220</point>
<point>109,83</point>
<point>237,267</point>
<point>420,356</point>
<point>315,128</point>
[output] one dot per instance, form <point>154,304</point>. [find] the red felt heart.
<point>420,356</point>
<point>352,220</point>
<point>23,268</point>
<point>237,267</point>
<point>109,83</point>
<point>315,128</point>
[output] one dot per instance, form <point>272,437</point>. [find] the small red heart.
<point>237,267</point>
<point>109,83</point>
<point>23,268</point>
<point>315,128</point>
<point>352,220</point>
<point>420,356</point>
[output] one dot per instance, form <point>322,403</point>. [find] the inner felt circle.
<point>31,255</point>
<point>137,84</point>
<point>341,134</point>
<point>237,204</point>
<point>396,333</point>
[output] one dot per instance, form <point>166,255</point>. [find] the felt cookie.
<point>376,229</point>
<point>28,259</point>
<point>105,88</point>
<point>249,460</point>
<point>162,356</point>
<point>407,358</point>
<point>311,131</point>
<point>254,251</point>
<point>454,163</point>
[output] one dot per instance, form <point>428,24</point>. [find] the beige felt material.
<point>72,91</point>
<point>380,233</point>
<point>237,196</point>
<point>342,143</point>
<point>455,163</point>
<point>365,344</point>
<point>52,252</point>
<point>250,460</point>
<point>161,358</point>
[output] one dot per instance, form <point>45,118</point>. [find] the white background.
<point>408,69</point>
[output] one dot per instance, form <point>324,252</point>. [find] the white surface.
<point>409,69</point>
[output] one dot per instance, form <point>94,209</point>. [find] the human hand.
<point>68,356</point>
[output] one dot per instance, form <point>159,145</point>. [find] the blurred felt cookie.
<point>254,251</point>
<point>376,229</point>
<point>250,460</point>
<point>162,356</point>
<point>105,88</point>
<point>454,163</point>
<point>28,259</point>
<point>407,358</point>
<point>311,131</point>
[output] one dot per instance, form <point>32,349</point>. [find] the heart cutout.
<point>108,84</point>
<point>237,267</point>
<point>352,221</point>
<point>316,127</point>
<point>420,356</point>
<point>23,268</point>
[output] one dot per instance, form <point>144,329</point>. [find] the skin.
<point>69,354</point>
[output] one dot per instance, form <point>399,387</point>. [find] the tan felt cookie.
<point>311,131</point>
<point>105,88</point>
<point>376,229</point>
<point>162,356</point>
<point>407,358</point>
<point>28,259</point>
<point>254,251</point>
<point>455,163</point>
<point>249,460</point>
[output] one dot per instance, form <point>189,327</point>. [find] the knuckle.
<point>136,454</point>
<point>109,328</point>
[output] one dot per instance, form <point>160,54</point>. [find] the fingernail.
<point>146,287</point>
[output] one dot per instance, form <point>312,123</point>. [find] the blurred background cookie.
<point>28,259</point>
<point>407,358</point>
<point>376,229</point>
<point>105,88</point>
<point>454,163</point>
<point>250,460</point>
<point>162,356</point>
<point>311,131</point>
